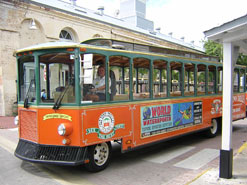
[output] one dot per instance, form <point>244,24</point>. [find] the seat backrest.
<point>113,84</point>
<point>60,89</point>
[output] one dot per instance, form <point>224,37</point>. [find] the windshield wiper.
<point>60,98</point>
<point>27,95</point>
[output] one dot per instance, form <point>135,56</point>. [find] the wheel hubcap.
<point>101,154</point>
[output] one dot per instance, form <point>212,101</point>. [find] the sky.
<point>184,18</point>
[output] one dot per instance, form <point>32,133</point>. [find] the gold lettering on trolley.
<point>57,116</point>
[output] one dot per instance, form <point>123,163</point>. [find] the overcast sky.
<point>188,18</point>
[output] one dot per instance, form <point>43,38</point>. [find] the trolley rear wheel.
<point>213,130</point>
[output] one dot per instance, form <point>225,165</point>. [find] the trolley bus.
<point>147,94</point>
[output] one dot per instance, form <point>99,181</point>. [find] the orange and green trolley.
<point>151,94</point>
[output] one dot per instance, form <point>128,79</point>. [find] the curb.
<point>240,150</point>
<point>243,147</point>
<point>201,174</point>
<point>7,122</point>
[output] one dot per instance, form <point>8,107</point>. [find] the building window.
<point>65,36</point>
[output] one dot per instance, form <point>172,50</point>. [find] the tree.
<point>242,59</point>
<point>215,49</point>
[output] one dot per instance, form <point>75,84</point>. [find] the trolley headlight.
<point>61,130</point>
<point>64,129</point>
<point>16,121</point>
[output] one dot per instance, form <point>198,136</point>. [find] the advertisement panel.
<point>160,119</point>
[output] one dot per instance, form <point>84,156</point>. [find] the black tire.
<point>99,157</point>
<point>213,130</point>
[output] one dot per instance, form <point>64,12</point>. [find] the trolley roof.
<point>114,45</point>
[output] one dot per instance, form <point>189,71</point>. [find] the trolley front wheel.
<point>99,157</point>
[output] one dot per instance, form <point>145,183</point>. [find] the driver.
<point>99,84</point>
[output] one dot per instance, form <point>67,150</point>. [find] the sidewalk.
<point>211,176</point>
<point>7,122</point>
<point>208,177</point>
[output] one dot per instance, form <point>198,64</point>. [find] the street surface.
<point>174,162</point>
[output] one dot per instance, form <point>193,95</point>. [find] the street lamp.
<point>32,25</point>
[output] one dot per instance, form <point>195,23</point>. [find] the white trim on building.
<point>233,36</point>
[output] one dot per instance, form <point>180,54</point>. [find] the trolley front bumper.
<point>50,154</point>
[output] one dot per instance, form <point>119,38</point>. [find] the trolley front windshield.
<point>52,83</point>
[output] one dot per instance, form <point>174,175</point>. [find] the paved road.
<point>175,162</point>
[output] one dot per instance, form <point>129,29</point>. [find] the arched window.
<point>66,35</point>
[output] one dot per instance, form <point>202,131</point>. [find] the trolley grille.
<point>50,154</point>
<point>28,125</point>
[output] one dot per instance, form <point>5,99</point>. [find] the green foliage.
<point>155,74</point>
<point>164,74</point>
<point>191,75</point>
<point>175,75</point>
<point>242,59</point>
<point>215,49</point>
<point>201,77</point>
<point>143,71</point>
<point>211,76</point>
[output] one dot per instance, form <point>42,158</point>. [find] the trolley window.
<point>57,81</point>
<point>189,79</point>
<point>27,84</point>
<point>176,79</point>
<point>93,81</point>
<point>141,78</point>
<point>119,74</point>
<point>160,78</point>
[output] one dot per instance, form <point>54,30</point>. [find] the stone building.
<point>29,22</point>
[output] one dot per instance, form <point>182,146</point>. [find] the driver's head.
<point>101,71</point>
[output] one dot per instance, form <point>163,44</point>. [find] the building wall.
<point>15,33</point>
